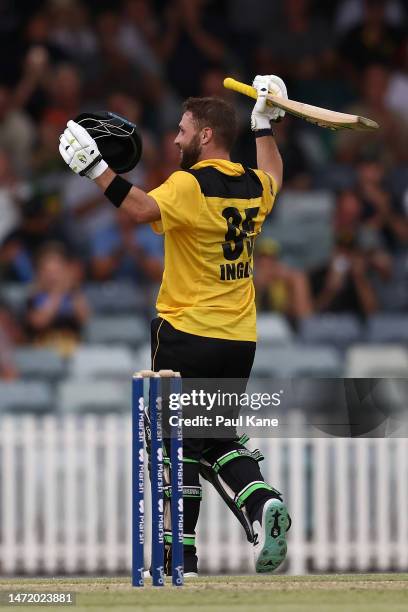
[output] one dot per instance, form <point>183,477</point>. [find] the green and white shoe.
<point>270,536</point>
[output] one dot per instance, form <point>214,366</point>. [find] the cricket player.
<point>210,213</point>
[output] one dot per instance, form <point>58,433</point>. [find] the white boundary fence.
<point>65,504</point>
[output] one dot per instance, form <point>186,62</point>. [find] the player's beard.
<point>190,153</point>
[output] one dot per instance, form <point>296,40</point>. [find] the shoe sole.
<point>147,574</point>
<point>274,550</point>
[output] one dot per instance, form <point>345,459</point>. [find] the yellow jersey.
<point>210,216</point>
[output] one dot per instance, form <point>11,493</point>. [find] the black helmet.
<point>118,139</point>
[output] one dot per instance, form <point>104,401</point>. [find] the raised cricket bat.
<point>314,114</point>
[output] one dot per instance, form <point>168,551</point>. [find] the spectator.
<point>278,287</point>
<point>193,38</point>
<point>388,144</point>
<point>295,154</point>
<point>120,68</point>
<point>397,92</point>
<point>348,215</point>
<point>73,35</point>
<point>57,309</point>
<point>246,21</point>
<point>64,93</point>
<point>32,90</point>
<point>38,33</point>
<point>87,217</point>
<point>373,41</point>
<point>114,66</point>
<point>401,227</point>
<point>15,260</point>
<point>129,251</point>
<point>350,14</point>
<point>16,132</point>
<point>42,211</point>
<point>169,161</point>
<point>36,61</point>
<point>212,84</point>
<point>380,213</point>
<point>139,35</point>
<point>300,41</point>
<point>10,334</point>
<point>8,370</point>
<point>350,227</point>
<point>343,285</point>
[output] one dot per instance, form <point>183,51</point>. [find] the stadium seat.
<point>309,247</point>
<point>273,328</point>
<point>318,241</point>
<point>392,292</point>
<point>115,297</point>
<point>297,360</point>
<point>132,330</point>
<point>311,213</point>
<point>388,328</point>
<point>297,206</point>
<point>340,330</point>
<point>37,363</point>
<point>22,396</point>
<point>142,358</point>
<point>370,361</point>
<point>94,396</point>
<point>392,295</point>
<point>335,177</point>
<point>102,362</point>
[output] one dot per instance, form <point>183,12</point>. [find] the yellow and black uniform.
<point>206,328</point>
<point>210,216</point>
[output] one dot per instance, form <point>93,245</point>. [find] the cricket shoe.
<point>269,530</point>
<point>147,574</point>
<point>190,565</point>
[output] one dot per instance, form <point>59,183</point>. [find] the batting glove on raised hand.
<point>263,113</point>
<point>80,151</point>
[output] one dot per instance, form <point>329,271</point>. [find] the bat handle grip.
<point>242,88</point>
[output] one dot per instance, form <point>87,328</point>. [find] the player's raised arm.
<point>80,152</point>
<point>267,152</point>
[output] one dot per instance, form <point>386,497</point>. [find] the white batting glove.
<point>264,113</point>
<point>80,151</point>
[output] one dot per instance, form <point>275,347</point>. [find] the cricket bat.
<point>314,114</point>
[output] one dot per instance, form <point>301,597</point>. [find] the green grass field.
<point>325,593</point>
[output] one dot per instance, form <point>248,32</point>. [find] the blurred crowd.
<point>140,58</point>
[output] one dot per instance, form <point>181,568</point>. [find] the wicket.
<point>175,488</point>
